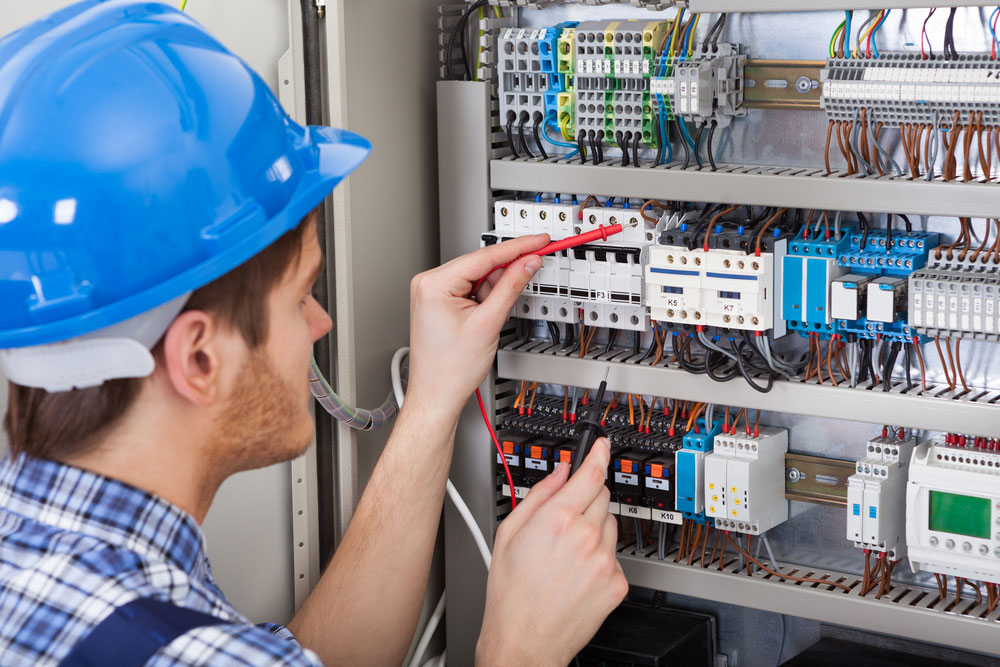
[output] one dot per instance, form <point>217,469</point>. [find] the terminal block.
<point>876,496</point>
<point>522,82</point>
<point>690,470</point>
<point>745,481</point>
<point>956,298</point>
<point>953,508</point>
<point>724,287</point>
<point>705,87</point>
<point>613,64</point>
<point>898,89</point>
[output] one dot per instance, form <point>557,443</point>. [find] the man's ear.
<point>191,357</point>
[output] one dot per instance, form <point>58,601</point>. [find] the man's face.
<point>266,417</point>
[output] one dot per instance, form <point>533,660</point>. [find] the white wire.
<point>425,639</point>
<point>470,522</point>
<point>456,497</point>
<point>394,371</point>
<point>436,661</point>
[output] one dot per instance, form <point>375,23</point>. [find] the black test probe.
<point>590,428</point>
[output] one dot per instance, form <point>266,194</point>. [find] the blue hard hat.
<point>139,160</point>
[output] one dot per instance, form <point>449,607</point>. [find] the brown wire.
<point>767,225</point>
<point>958,364</point>
<point>944,364</point>
<point>951,141</point>
<point>927,148</point>
<point>951,360</point>
<point>711,224</point>
<point>651,202</point>
<point>967,146</point>
<point>841,360</point>
<point>984,162</point>
<point>826,150</point>
<point>685,527</point>
<point>810,371</point>
<point>829,361</point>
<point>923,371</point>
<point>787,577</point>
<point>756,425</point>
<point>590,197</point>
<point>715,547</point>
<point>819,360</point>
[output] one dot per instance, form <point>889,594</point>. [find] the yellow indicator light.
<point>711,485</point>
<point>734,512</point>
<point>712,510</point>
<point>736,502</point>
<point>734,489</point>
<point>715,499</point>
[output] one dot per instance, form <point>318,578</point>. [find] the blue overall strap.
<point>134,632</point>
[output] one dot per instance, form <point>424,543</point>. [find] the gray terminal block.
<point>709,86</point>
<point>952,302</point>
<point>886,299</point>
<point>899,88</point>
<point>522,84</point>
<point>849,297</point>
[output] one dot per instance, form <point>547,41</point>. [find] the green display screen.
<point>962,515</point>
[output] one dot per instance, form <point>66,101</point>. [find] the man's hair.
<point>59,425</point>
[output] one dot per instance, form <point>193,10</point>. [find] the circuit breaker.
<point>744,481</point>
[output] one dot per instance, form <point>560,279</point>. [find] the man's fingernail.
<point>532,265</point>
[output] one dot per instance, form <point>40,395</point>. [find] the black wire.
<point>623,144</point>
<point>890,363</point>
<point>659,140</point>
<point>612,339</point>
<point>538,138</point>
<point>738,349</point>
<point>520,133</point>
<point>635,149</point>
<point>651,350</point>
<point>570,334</point>
<point>906,221</point>
<point>460,29</point>
<point>711,366</point>
<point>636,342</point>
<point>888,233</point>
<point>591,136</point>
<point>687,148</point>
<point>864,229</point>
<point>578,341</point>
<point>711,137</point>
<point>949,36</point>
<point>554,332</point>
<point>722,26</point>
<point>599,142</point>
<point>871,361</point>
<point>697,144</point>
<point>865,362</point>
<point>581,144</point>
<point>690,366</point>
<point>509,129</point>
<point>930,48</point>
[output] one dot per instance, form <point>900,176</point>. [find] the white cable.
<point>456,497</point>
<point>425,639</point>
<point>470,522</point>
<point>394,371</point>
<point>436,661</point>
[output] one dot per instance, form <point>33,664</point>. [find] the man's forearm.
<point>365,608</point>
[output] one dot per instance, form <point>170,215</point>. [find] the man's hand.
<point>453,339</point>
<point>554,577</point>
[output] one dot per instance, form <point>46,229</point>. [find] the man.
<point>157,256</point>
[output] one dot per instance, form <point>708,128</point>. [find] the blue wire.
<point>684,40</point>
<point>563,144</point>
<point>664,137</point>
<point>847,35</point>
<point>875,32</point>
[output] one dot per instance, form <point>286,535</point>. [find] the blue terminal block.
<point>690,471</point>
<point>899,256</point>
<point>808,272</point>
<point>548,56</point>
<point>895,332</point>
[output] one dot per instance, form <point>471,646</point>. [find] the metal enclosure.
<point>471,152</point>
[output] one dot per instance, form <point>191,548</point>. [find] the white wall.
<point>249,527</point>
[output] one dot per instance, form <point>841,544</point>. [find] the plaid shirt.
<point>75,545</point>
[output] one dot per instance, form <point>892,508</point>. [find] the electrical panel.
<point>810,239</point>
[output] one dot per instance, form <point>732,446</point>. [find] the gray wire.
<point>661,542</point>
<point>781,617</point>
<point>703,339</point>
<point>880,151</point>
<point>855,146</point>
<point>836,224</point>
<point>854,365</point>
<point>776,365</point>
<point>932,151</point>
<point>638,535</point>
